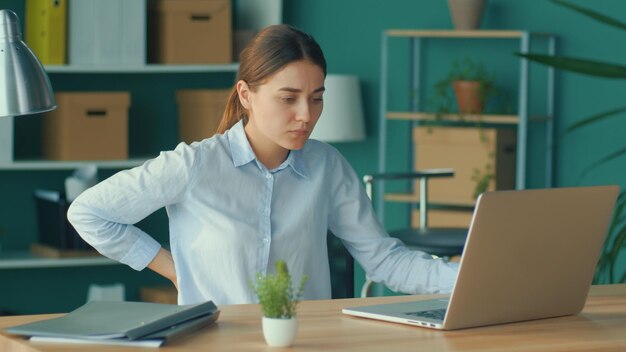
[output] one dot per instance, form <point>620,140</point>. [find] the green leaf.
<point>617,245</point>
<point>592,14</point>
<point>594,118</point>
<point>584,66</point>
<point>602,161</point>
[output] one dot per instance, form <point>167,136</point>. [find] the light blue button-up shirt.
<point>231,218</point>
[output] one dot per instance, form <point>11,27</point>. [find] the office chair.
<point>438,242</point>
<point>341,268</point>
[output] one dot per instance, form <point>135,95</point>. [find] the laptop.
<point>529,254</point>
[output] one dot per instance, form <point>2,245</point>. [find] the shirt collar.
<point>242,152</point>
<point>239,146</point>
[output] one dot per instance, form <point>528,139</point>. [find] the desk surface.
<point>600,327</point>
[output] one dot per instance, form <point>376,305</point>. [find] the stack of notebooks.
<point>121,323</point>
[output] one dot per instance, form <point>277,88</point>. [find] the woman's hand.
<point>163,264</point>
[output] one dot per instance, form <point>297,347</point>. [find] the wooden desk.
<point>600,327</point>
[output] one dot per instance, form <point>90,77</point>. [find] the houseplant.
<point>472,86</point>
<point>279,301</point>
<point>606,271</point>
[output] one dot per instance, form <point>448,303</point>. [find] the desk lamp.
<point>342,117</point>
<point>24,85</point>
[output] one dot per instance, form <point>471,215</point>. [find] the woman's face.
<point>284,109</point>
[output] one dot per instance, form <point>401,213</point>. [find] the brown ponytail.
<point>267,53</point>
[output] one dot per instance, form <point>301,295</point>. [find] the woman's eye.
<point>318,100</point>
<point>288,99</point>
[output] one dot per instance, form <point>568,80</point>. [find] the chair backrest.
<point>341,268</point>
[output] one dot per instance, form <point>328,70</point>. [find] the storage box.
<point>444,218</point>
<point>191,31</point>
<point>107,32</point>
<point>159,294</point>
<point>54,228</point>
<point>46,29</point>
<point>200,112</point>
<point>87,126</point>
<point>465,150</point>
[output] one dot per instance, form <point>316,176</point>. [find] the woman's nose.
<point>304,113</point>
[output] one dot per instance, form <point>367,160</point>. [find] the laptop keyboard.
<point>436,314</point>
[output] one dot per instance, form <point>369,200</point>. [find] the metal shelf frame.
<point>418,117</point>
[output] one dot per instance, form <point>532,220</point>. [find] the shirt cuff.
<point>141,253</point>
<point>447,276</point>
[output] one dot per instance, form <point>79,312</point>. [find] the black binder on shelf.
<point>123,323</point>
<point>54,228</point>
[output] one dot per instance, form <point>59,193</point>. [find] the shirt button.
<point>268,176</point>
<point>266,240</point>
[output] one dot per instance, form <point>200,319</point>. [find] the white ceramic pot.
<point>280,332</point>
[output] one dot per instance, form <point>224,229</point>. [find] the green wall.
<point>349,31</point>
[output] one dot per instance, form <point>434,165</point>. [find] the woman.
<point>257,192</point>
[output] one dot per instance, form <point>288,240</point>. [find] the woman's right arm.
<point>163,264</point>
<point>105,214</point>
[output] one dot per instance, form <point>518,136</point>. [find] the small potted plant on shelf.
<point>472,86</point>
<point>279,301</point>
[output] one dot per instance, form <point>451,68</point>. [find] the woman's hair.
<point>267,53</point>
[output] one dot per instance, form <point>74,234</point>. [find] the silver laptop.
<point>529,255</point>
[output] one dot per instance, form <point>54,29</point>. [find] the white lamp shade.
<point>24,84</point>
<point>342,116</point>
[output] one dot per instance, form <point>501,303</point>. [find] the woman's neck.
<point>270,154</point>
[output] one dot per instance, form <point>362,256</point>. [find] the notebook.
<point>121,323</point>
<point>529,254</point>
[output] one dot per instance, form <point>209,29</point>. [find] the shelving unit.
<point>418,117</point>
<point>27,260</point>
<point>6,124</point>
<point>149,68</point>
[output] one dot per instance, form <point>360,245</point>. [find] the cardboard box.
<point>87,126</point>
<point>465,150</point>
<point>444,218</point>
<point>191,31</point>
<point>107,32</point>
<point>46,24</point>
<point>200,112</point>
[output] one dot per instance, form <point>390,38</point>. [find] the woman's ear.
<point>243,92</point>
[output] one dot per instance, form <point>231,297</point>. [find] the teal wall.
<point>349,31</point>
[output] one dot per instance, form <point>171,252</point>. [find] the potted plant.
<point>607,269</point>
<point>472,86</point>
<point>279,301</point>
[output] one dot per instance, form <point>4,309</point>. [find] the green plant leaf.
<point>584,66</point>
<point>601,161</point>
<point>617,245</point>
<point>594,118</point>
<point>592,14</point>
